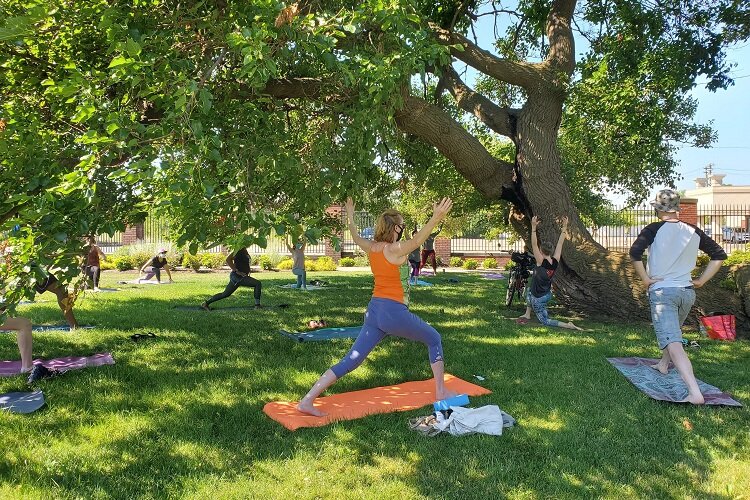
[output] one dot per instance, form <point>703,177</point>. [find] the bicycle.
<point>518,277</point>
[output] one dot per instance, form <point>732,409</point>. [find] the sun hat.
<point>667,200</point>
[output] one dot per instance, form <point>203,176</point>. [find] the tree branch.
<point>501,120</point>
<point>490,176</point>
<point>561,45</point>
<point>523,74</point>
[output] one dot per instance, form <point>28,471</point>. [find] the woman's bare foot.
<point>662,367</point>
<point>26,370</point>
<point>445,394</point>
<point>696,399</point>
<point>308,408</point>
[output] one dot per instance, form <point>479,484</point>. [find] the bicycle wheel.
<point>512,288</point>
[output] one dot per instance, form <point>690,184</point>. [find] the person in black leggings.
<point>239,262</point>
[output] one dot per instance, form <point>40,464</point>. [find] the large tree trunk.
<point>591,278</point>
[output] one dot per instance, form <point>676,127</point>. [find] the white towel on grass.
<point>487,419</point>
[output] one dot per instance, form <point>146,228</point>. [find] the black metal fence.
<point>727,224</point>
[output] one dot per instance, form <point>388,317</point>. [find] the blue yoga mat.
<point>422,283</point>
<point>349,332</point>
<point>64,328</point>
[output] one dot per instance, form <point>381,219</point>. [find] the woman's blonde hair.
<point>385,225</point>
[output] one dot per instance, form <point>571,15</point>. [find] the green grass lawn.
<point>181,415</point>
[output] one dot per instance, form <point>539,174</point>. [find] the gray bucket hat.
<point>667,200</point>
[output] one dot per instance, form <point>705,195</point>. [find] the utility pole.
<point>709,169</point>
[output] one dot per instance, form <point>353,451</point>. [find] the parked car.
<point>734,235</point>
<point>368,233</point>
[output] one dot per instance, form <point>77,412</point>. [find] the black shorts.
<point>42,286</point>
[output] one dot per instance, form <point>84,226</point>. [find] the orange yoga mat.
<point>357,404</point>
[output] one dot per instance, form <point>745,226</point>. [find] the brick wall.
<point>133,234</point>
<point>443,249</point>
<point>689,210</point>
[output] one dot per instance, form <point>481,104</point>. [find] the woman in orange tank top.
<point>386,313</point>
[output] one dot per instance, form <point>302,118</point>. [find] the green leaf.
<point>119,61</point>
<point>132,47</point>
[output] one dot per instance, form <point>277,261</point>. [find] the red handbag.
<point>720,327</point>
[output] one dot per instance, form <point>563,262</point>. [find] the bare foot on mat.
<point>445,394</point>
<point>696,399</point>
<point>661,367</point>
<point>309,409</point>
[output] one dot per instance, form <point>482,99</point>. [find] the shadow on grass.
<point>185,410</point>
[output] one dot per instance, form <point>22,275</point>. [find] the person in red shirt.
<point>93,264</point>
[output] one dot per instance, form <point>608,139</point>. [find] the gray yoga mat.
<point>669,387</point>
<point>21,402</point>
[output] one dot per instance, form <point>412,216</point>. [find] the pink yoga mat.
<point>10,368</point>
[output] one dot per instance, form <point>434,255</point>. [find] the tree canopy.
<point>241,119</point>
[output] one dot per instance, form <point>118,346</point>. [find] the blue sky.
<point>730,111</point>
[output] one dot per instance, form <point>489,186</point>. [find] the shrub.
<point>123,263</point>
<point>702,260</point>
<point>737,257</point>
<point>438,260</point>
<point>191,261</point>
<point>325,264</point>
<point>347,262</point>
<point>264,261</point>
<point>456,261</point>
<point>362,261</point>
<point>212,260</point>
<point>108,264</point>
<point>286,264</point>
<point>470,264</point>
<point>489,263</point>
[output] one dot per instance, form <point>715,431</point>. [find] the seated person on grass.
<point>239,263</point>
<point>539,291</point>
<point>154,265</point>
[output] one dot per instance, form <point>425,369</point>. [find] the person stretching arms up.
<point>386,313</point>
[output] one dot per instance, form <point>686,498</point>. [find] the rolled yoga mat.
<point>669,387</point>
<point>358,404</point>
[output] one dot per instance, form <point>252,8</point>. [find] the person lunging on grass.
<point>539,291</point>
<point>672,252</point>
<point>387,313</point>
<point>239,263</point>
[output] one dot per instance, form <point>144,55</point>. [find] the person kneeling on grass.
<point>387,313</point>
<point>672,252</point>
<point>540,290</point>
<point>239,263</point>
